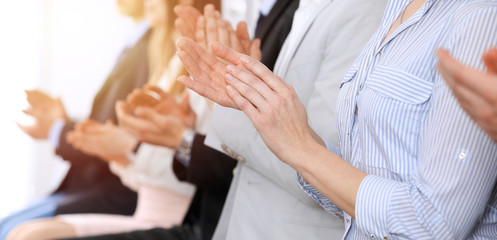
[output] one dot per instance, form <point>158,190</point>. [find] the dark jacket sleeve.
<point>209,169</point>
<point>66,151</point>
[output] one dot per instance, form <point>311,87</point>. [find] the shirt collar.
<point>266,6</point>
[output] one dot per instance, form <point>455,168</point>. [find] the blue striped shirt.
<point>431,169</point>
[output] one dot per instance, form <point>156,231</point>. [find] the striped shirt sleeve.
<point>457,161</point>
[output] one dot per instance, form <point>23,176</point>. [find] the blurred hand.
<point>105,141</point>
<point>476,91</point>
<point>165,104</point>
<point>209,27</point>
<point>45,110</point>
<point>150,126</point>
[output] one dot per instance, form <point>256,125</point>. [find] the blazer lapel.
<point>272,17</point>
<point>303,19</point>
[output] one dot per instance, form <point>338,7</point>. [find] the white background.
<point>65,47</point>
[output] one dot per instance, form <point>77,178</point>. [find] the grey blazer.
<point>265,200</point>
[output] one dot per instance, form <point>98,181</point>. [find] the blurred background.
<point>66,48</point>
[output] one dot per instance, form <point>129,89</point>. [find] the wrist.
<point>302,156</point>
<point>183,151</point>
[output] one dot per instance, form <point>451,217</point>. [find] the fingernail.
<point>231,68</point>
<point>229,89</point>
<point>245,59</point>
<point>229,77</point>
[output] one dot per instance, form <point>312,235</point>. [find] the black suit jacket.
<point>210,170</point>
<point>274,28</point>
<point>89,185</point>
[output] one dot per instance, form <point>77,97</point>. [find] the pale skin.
<point>243,83</point>
<point>476,91</point>
<point>45,110</point>
<point>152,122</point>
<point>106,141</point>
<point>158,119</point>
<point>42,229</point>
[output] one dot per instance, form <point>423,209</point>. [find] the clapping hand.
<point>45,110</point>
<point>476,91</point>
<point>106,141</point>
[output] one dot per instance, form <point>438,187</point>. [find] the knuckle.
<point>243,105</point>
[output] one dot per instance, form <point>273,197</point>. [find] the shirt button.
<point>372,236</point>
<point>347,220</point>
<point>462,156</point>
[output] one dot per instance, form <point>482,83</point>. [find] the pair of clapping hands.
<point>148,115</point>
<point>225,73</point>
<point>224,67</point>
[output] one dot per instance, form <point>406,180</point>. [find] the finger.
<point>248,92</point>
<point>456,73</point>
<point>188,15</point>
<point>490,59</point>
<point>200,34</point>
<point>224,52</point>
<point>185,103</point>
<point>201,65</point>
<point>474,104</point>
<point>244,36</point>
<point>223,32</point>
<point>254,66</point>
<point>242,103</point>
<point>251,80</point>
<point>236,44</point>
<point>202,78</point>
<point>197,87</point>
<point>157,90</point>
<point>211,29</point>
<point>26,129</point>
<point>184,29</point>
<point>138,126</point>
<point>255,49</point>
<point>149,114</point>
<point>141,98</point>
<point>70,137</point>
<point>37,97</point>
<point>29,111</point>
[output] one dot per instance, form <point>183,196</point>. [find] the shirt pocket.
<point>399,85</point>
<point>394,104</point>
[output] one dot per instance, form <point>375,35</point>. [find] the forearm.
<point>335,178</point>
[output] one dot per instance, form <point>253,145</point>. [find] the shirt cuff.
<point>183,153</point>
<point>372,205</point>
<point>55,131</point>
<point>319,197</point>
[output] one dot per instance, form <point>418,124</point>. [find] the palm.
<point>207,73</point>
<point>45,110</point>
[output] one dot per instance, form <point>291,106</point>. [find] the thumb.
<point>255,49</point>
<point>185,102</point>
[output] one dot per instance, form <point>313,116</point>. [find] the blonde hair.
<point>162,49</point>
